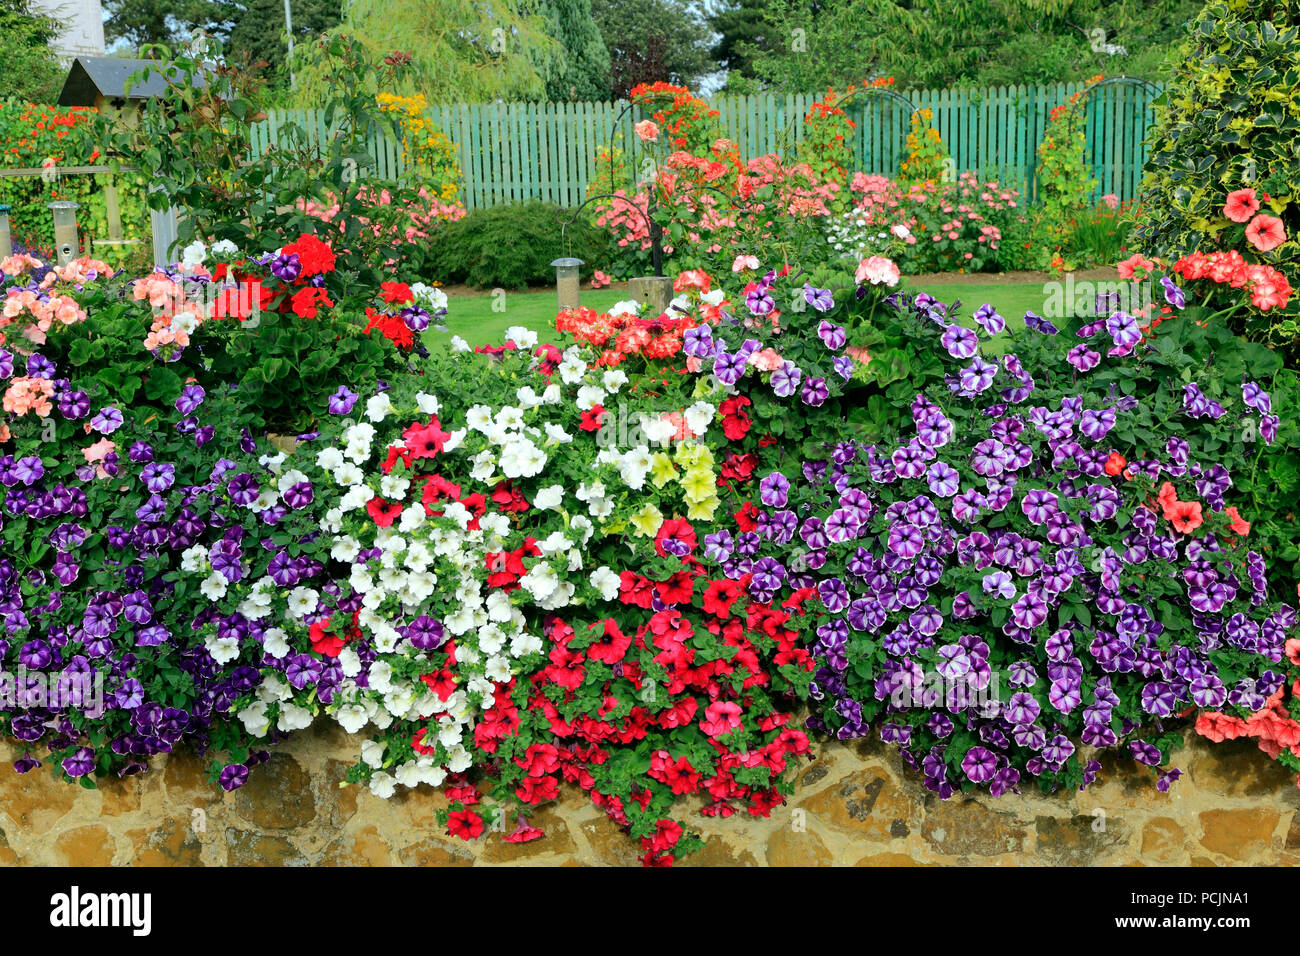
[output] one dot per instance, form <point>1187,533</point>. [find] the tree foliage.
<point>31,72</point>
<point>584,67</point>
<point>650,40</point>
<point>809,45</point>
<point>464,51</point>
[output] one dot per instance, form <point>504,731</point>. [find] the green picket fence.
<point>511,152</point>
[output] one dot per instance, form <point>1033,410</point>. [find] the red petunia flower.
<point>465,824</point>
<point>382,512</point>
<point>613,644</point>
<point>591,418</point>
<point>425,441</point>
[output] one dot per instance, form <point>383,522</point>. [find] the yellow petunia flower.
<point>699,484</point>
<point>662,469</point>
<point>647,520</point>
<point>703,510</point>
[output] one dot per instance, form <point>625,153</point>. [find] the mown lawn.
<point>481,319</point>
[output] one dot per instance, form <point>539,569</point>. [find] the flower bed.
<point>625,560</point>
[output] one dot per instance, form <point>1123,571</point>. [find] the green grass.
<point>482,319</point>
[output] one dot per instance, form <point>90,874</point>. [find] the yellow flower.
<point>699,484</point>
<point>647,520</point>
<point>662,469</point>
<point>703,510</point>
<point>694,455</point>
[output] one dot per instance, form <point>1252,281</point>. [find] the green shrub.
<point>512,246</point>
<point>1229,120</point>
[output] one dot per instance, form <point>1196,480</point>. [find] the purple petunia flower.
<point>158,477</point>
<point>107,421</point>
<point>190,399</point>
<point>1173,295</point>
<point>759,300</point>
<point>977,376</point>
<point>1083,358</point>
<point>989,320</point>
<point>774,490</point>
<point>819,299</point>
<point>233,777</point>
<point>1256,398</point>
<point>815,392</point>
<point>80,763</point>
<point>1124,332</point>
<point>943,479</point>
<point>833,336</point>
<point>341,402</point>
<point>728,368</point>
<point>960,342</point>
<point>785,380</point>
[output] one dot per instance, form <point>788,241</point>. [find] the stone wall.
<point>855,805</point>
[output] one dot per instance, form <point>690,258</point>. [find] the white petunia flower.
<point>523,337</point>
<point>274,642</point>
<point>293,717</point>
<point>699,416</point>
<point>214,587</point>
<point>195,559</point>
<point>383,785</point>
<point>378,407</point>
<point>588,396</point>
<point>427,403</point>
<point>222,649</point>
<point>351,717</point>
<point>302,601</point>
<point>541,581</point>
<point>548,497</point>
<point>255,719</point>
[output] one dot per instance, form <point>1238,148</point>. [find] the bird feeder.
<point>6,240</point>
<point>566,281</point>
<point>65,229</point>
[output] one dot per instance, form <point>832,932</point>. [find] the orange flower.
<point>1239,524</point>
<point>1186,516</point>
<point>1265,233</point>
<point>1115,463</point>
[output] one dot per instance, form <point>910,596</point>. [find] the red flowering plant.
<point>518,601</point>
<point>279,325</point>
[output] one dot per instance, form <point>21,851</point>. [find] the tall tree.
<point>584,72</point>
<point>141,22</point>
<point>461,51</point>
<point>258,32</point>
<point>652,40</point>
<point>743,30</point>
<point>31,72</point>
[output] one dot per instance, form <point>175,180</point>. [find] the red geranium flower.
<point>398,293</point>
<point>315,256</point>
